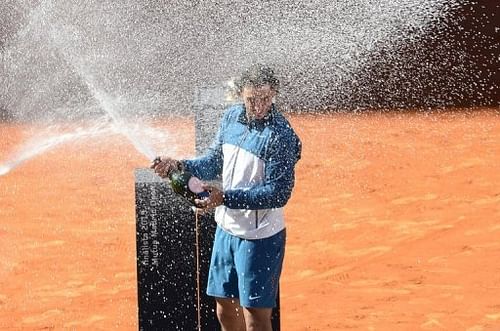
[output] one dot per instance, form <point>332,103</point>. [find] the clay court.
<point>394,224</point>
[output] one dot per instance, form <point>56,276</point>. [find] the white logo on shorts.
<point>251,297</point>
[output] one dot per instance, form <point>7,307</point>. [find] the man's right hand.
<point>164,165</point>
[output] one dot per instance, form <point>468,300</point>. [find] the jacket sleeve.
<point>277,187</point>
<point>209,165</point>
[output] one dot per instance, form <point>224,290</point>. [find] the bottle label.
<point>195,185</point>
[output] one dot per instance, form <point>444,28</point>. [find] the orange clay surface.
<point>394,224</point>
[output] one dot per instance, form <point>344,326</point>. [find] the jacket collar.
<point>242,118</point>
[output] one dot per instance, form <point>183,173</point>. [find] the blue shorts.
<point>248,270</point>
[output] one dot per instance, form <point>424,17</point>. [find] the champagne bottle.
<point>185,184</point>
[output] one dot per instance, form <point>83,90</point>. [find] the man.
<point>255,151</point>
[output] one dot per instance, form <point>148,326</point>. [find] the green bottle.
<point>185,184</point>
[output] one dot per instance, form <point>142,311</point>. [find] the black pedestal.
<point>166,260</point>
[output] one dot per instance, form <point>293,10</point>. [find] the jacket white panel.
<point>243,170</point>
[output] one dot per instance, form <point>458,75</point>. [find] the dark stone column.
<point>166,262</point>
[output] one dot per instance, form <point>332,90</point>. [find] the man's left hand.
<point>215,199</point>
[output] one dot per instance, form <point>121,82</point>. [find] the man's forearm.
<point>259,197</point>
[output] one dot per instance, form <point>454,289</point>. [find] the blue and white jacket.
<point>257,162</point>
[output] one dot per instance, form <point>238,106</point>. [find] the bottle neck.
<point>175,172</point>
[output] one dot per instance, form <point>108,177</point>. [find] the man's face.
<point>258,100</point>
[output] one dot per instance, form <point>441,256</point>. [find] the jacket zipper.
<point>256,219</point>
<point>236,157</point>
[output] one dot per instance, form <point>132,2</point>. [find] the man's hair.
<point>257,75</point>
